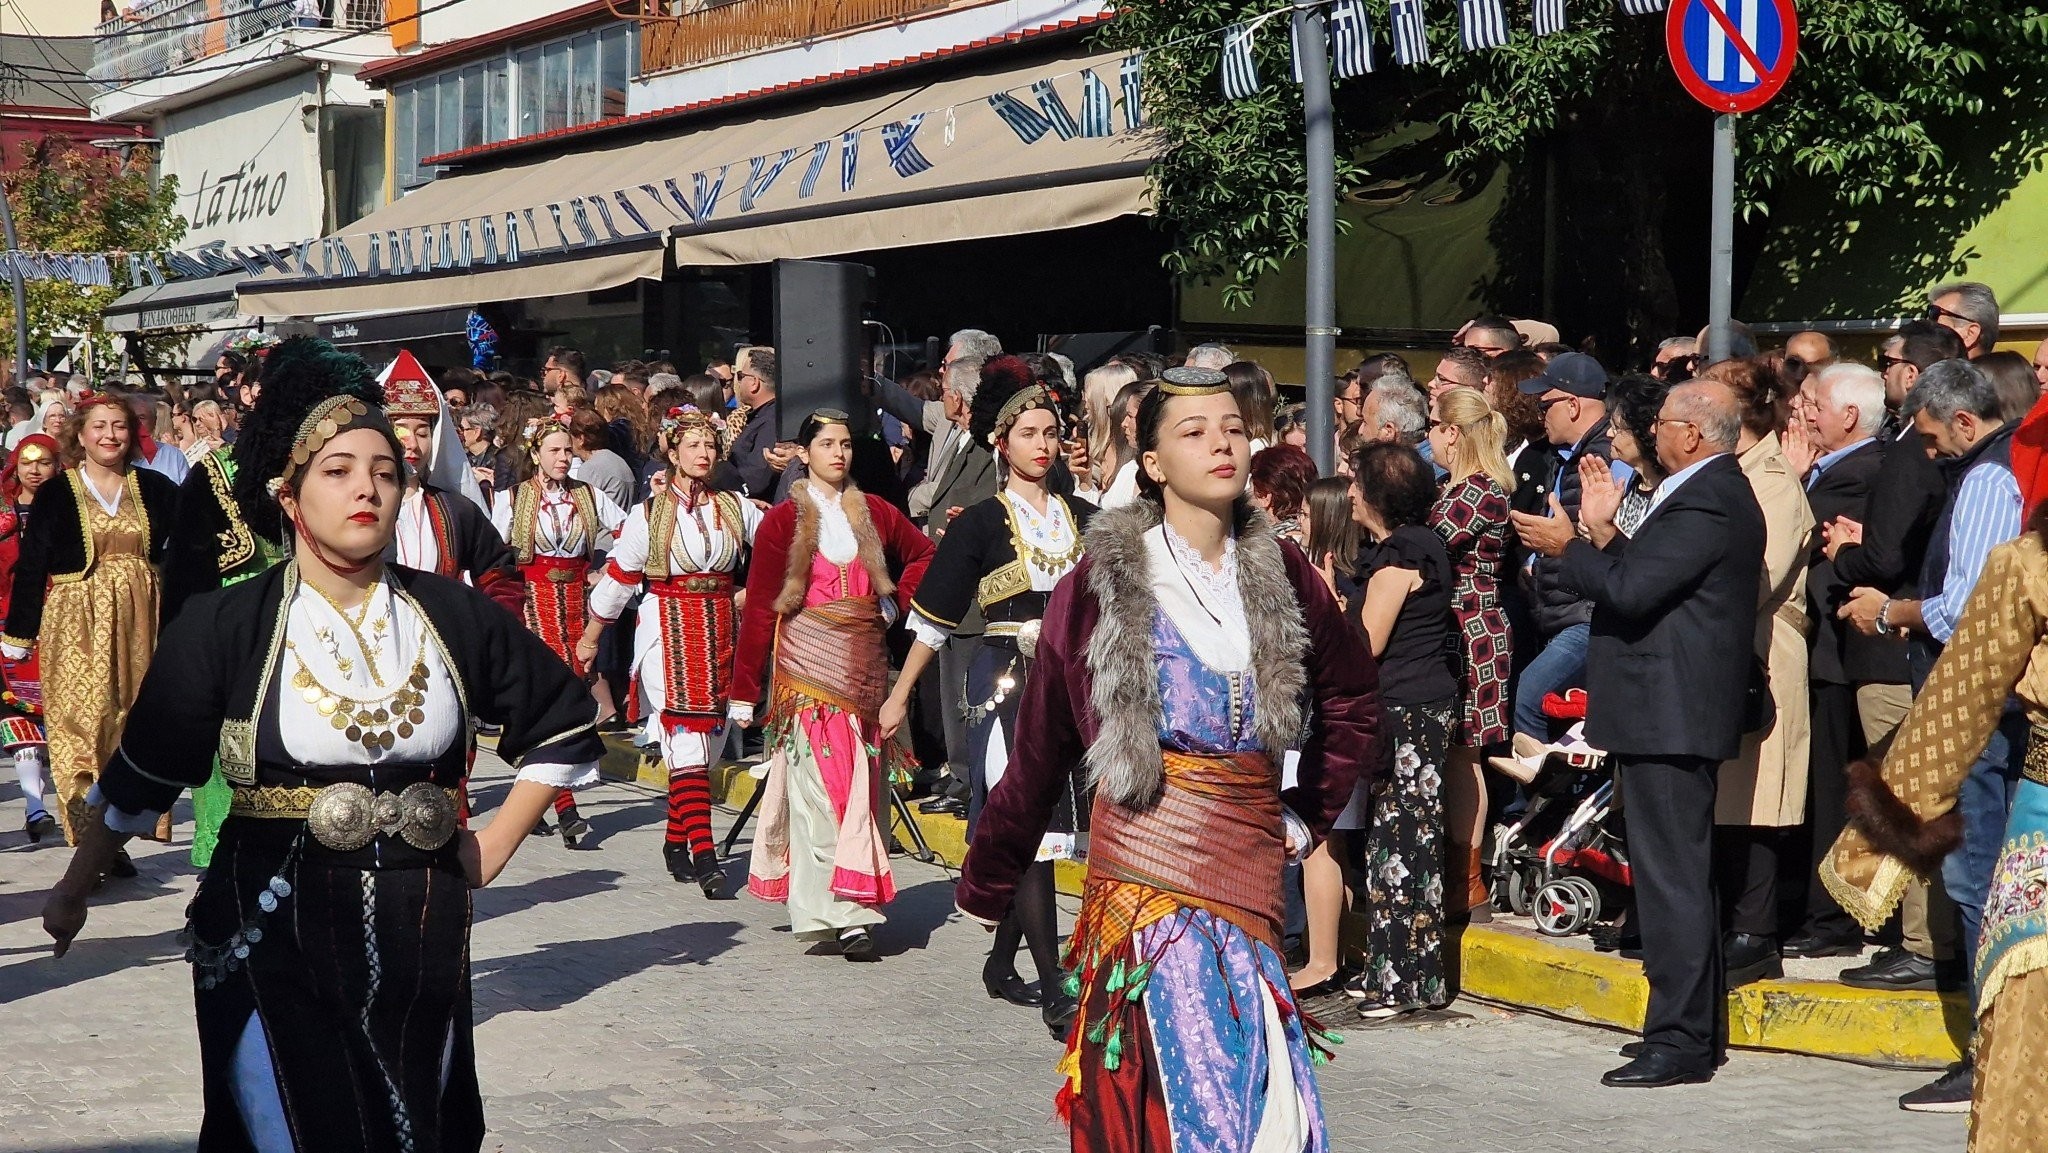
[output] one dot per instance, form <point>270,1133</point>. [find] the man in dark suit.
<point>1841,414</point>
<point>1668,669</point>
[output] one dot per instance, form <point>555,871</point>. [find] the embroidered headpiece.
<point>688,418</point>
<point>408,390</point>
<point>1193,382</point>
<point>540,430</point>
<point>1008,390</point>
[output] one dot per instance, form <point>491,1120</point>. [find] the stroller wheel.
<point>1522,887</point>
<point>1589,892</point>
<point>1561,908</point>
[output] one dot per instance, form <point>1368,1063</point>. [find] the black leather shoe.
<point>122,866</point>
<point>1810,944</point>
<point>710,875</point>
<point>1654,1069</point>
<point>1012,988</point>
<point>574,827</point>
<point>952,806</point>
<point>541,828</point>
<point>1749,957</point>
<point>1059,1013</point>
<point>1892,969</point>
<point>677,858</point>
<point>37,827</point>
<point>858,947</point>
<point>1632,1050</point>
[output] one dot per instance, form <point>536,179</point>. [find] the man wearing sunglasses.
<point>1970,310</point>
<point>1677,357</point>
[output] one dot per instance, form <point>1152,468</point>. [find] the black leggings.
<point>1034,919</point>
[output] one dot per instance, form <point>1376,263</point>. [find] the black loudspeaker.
<point>821,349</point>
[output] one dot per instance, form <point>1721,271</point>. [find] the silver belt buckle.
<point>348,816</point>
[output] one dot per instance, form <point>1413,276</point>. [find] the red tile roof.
<point>658,115</point>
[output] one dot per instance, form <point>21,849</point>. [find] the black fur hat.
<point>1003,378</point>
<point>297,375</point>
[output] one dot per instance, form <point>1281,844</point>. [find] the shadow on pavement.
<point>496,900</point>
<point>89,959</point>
<point>914,915</point>
<point>562,973</point>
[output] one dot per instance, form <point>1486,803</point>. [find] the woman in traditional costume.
<point>1005,554</point>
<point>329,940</point>
<point>33,461</point>
<point>1185,654</point>
<point>683,546</point>
<point>557,528</point>
<point>85,587</point>
<point>215,543</point>
<point>832,566</point>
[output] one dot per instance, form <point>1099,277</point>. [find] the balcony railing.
<point>686,32</point>
<point>158,37</point>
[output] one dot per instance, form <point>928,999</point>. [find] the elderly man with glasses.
<point>1969,309</point>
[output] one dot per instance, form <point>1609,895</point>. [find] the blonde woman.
<point>1467,436</point>
<point>1099,391</point>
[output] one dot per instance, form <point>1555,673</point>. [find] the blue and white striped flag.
<point>708,187</point>
<point>1411,34</point>
<point>1549,17</point>
<point>1350,39</point>
<point>1055,109</point>
<point>1240,72</point>
<point>1095,104</point>
<point>762,172</point>
<point>900,138</point>
<point>821,152</point>
<point>682,201</point>
<point>1642,7</point>
<point>654,194</point>
<point>1482,24</point>
<point>849,159</point>
<point>1130,76</point>
<point>1027,122</point>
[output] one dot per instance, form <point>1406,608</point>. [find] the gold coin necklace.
<point>377,723</point>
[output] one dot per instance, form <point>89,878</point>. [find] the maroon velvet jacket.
<point>1056,724</point>
<point>907,550</point>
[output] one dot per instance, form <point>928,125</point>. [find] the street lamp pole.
<point>20,291</point>
<point>1319,319</point>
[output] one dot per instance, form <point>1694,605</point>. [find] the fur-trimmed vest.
<point>803,548</point>
<point>1124,763</point>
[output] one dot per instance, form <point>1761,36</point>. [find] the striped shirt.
<point>1987,514</point>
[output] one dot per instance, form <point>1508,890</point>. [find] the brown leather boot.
<point>1466,899</point>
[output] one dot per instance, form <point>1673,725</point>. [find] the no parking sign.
<point>1732,55</point>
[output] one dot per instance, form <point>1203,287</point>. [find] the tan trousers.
<point>1927,920</point>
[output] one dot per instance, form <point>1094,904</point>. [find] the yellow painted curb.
<point>1819,1018</point>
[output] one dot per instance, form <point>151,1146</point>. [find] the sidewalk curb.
<point>1816,1018</point>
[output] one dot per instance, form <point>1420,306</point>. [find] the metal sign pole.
<point>1319,314</point>
<point>1721,258</point>
<point>20,293</point>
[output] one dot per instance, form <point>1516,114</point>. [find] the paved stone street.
<point>618,1010</point>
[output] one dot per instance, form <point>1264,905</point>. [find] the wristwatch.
<point>1884,614</point>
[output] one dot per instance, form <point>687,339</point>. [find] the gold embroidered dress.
<point>99,630</point>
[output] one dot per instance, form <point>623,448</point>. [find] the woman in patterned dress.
<point>1472,517</point>
<point>33,462</point>
<point>85,597</point>
<point>1406,616</point>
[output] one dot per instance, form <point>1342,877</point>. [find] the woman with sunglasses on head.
<point>85,597</point>
<point>1182,658</point>
<point>682,547</point>
<point>1003,556</point>
<point>832,568</point>
<point>31,465</point>
<point>330,938</point>
<point>557,528</point>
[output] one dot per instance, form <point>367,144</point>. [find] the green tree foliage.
<point>1886,95</point>
<point>71,197</point>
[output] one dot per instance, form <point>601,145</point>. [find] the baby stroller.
<point>1561,861</point>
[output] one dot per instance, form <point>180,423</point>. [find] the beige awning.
<point>736,192</point>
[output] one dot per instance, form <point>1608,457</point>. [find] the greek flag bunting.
<point>654,194</point>
<point>1549,17</point>
<point>1411,36</point>
<point>821,152</point>
<point>625,205</point>
<point>762,172</point>
<point>900,139</point>
<point>1055,109</point>
<point>1642,7</point>
<point>1240,73</point>
<point>849,159</point>
<point>1482,24</point>
<point>1129,75</point>
<point>1350,39</point>
<point>1095,103</point>
<point>705,203</point>
<point>1027,122</point>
